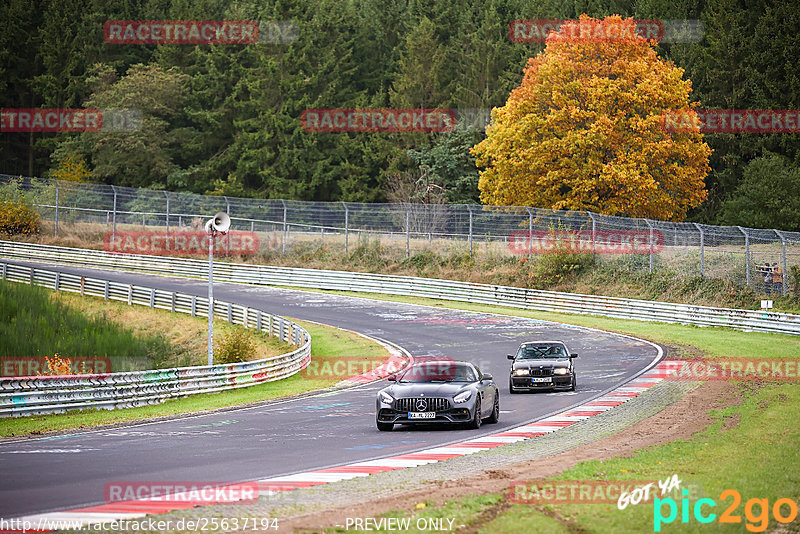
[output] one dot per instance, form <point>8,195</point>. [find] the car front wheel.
<point>495,417</point>
<point>476,419</point>
<point>574,383</point>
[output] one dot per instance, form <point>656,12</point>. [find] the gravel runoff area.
<point>610,433</point>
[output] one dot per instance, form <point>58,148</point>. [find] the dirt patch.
<point>680,420</point>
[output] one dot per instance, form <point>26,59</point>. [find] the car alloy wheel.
<point>476,420</point>
<point>495,411</point>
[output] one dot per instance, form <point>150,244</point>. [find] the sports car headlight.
<point>463,396</point>
<point>522,372</point>
<point>385,397</point>
<point>561,371</point>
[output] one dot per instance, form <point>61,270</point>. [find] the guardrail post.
<point>280,328</point>
<point>702,251</point>
<point>172,307</point>
<point>258,320</point>
<point>746,254</point>
<point>105,290</point>
<point>783,262</point>
<point>470,228</point>
<point>271,325</point>
<point>346,225</point>
<point>130,294</point>
<point>230,313</point>
<point>114,216</point>
<point>56,227</point>
<point>32,276</point>
<point>650,240</point>
<point>152,298</point>
<point>58,281</point>
<point>83,282</point>
<point>408,232</point>
<point>194,306</point>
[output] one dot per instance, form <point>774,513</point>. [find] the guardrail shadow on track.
<point>57,394</point>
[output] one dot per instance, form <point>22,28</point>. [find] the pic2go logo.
<point>756,511</point>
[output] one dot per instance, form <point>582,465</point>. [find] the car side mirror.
<point>510,356</point>
<point>487,376</point>
<point>573,355</point>
<point>392,378</point>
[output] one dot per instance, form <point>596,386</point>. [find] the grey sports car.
<point>542,365</point>
<point>438,391</point>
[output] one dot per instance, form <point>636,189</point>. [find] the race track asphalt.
<point>68,471</point>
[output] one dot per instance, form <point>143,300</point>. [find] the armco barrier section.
<point>56,394</point>
<point>530,299</point>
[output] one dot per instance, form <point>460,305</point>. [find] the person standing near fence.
<point>777,279</point>
<point>767,273</point>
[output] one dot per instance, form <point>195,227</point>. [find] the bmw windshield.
<point>541,351</point>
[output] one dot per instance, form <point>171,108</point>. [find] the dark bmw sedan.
<point>542,365</point>
<point>438,391</point>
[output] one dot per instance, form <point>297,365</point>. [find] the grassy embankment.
<point>752,446</point>
<point>37,322</point>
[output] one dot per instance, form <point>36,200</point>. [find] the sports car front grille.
<point>542,372</point>
<point>432,404</point>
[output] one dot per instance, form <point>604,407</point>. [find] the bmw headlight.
<point>561,371</point>
<point>522,372</point>
<point>385,397</point>
<point>464,396</point>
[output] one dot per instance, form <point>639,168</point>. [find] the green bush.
<point>238,345</point>
<point>555,267</point>
<point>17,217</point>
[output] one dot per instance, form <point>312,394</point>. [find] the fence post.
<point>114,216</point>
<point>746,254</point>
<point>283,239</point>
<point>470,228</point>
<point>783,262</point>
<point>408,232</point>
<point>346,225</point>
<point>228,234</point>
<point>530,232</point>
<point>166,194</point>
<point>650,239</point>
<point>594,235</point>
<point>57,191</point>
<point>702,251</point>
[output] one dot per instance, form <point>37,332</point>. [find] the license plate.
<point>421,415</point>
<point>545,380</point>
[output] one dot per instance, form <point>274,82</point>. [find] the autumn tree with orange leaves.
<point>584,130</point>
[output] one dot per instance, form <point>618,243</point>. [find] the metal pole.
<point>227,234</point>
<point>746,255</point>
<point>166,194</point>
<point>114,216</point>
<point>56,182</point>
<point>408,232</point>
<point>530,232</point>
<point>283,246</point>
<point>470,228</point>
<point>346,225</point>
<point>594,234</point>
<point>702,251</point>
<point>211,299</point>
<point>651,244</point>
<point>783,262</point>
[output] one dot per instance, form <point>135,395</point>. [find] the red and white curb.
<point>270,486</point>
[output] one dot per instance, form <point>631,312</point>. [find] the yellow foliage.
<point>72,168</point>
<point>57,366</point>
<point>584,131</point>
<point>16,217</point>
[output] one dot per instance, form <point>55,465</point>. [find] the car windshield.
<point>541,351</point>
<point>439,372</point>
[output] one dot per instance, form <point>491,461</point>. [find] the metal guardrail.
<point>57,394</point>
<point>531,299</point>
